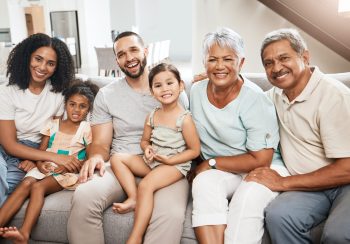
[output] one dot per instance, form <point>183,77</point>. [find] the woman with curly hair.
<point>39,69</point>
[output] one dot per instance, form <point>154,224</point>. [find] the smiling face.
<point>131,56</point>
<point>284,67</point>
<point>166,88</point>
<point>43,63</point>
<point>223,66</point>
<point>77,107</point>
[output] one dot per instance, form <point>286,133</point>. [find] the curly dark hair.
<point>85,88</point>
<point>18,62</point>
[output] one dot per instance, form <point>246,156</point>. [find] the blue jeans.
<point>291,216</point>
<point>10,174</point>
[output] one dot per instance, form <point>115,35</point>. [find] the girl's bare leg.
<point>15,201</point>
<point>125,166</point>
<point>38,192</point>
<point>162,176</point>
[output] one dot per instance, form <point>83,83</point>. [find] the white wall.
<point>167,19</point>
<point>94,29</point>
<point>93,18</point>
<point>4,17</point>
<point>17,21</point>
<point>252,20</point>
<point>122,15</point>
<point>185,22</point>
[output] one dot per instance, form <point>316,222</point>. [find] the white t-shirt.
<point>30,112</point>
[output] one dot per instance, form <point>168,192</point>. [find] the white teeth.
<point>131,65</point>
<point>166,96</point>
<point>281,76</point>
<point>221,75</point>
<point>38,73</point>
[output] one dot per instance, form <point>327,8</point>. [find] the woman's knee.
<point>203,183</point>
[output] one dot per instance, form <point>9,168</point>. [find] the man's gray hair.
<point>224,37</point>
<point>296,41</point>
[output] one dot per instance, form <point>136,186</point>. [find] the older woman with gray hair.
<point>238,129</point>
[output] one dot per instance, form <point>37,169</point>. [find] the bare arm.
<point>191,138</point>
<point>333,175</point>
<point>146,136</point>
<point>8,139</point>
<point>98,150</point>
<point>243,163</point>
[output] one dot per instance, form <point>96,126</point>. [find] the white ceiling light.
<point>344,8</point>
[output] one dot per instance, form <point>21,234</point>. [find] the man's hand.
<point>70,162</point>
<point>26,165</point>
<point>267,177</point>
<point>87,171</point>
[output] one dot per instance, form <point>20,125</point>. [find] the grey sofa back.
<point>261,80</point>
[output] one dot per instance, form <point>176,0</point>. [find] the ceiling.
<point>318,18</point>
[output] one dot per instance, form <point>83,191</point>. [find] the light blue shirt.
<point>248,122</point>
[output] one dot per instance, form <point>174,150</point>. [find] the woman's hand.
<point>26,165</point>
<point>70,162</point>
<point>61,170</point>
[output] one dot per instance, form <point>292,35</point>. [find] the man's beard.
<point>138,74</point>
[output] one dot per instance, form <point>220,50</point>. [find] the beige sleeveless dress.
<point>168,141</point>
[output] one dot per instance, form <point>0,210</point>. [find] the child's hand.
<point>26,165</point>
<point>45,167</point>
<point>163,159</point>
<point>149,154</point>
<point>61,170</point>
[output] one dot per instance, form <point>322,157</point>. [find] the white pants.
<point>244,215</point>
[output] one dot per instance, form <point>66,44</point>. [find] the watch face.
<point>212,162</point>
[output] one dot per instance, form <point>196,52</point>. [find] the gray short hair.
<point>293,36</point>
<point>224,37</point>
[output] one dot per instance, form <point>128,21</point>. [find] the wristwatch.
<point>212,163</point>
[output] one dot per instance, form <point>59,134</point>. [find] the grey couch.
<point>51,227</point>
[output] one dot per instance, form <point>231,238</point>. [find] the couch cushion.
<point>343,77</point>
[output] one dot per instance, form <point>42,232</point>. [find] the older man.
<point>314,114</point>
